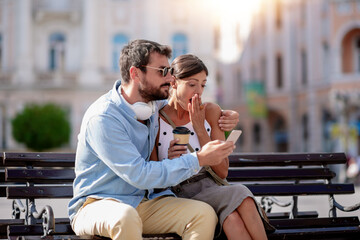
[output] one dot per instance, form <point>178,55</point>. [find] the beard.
<point>151,93</point>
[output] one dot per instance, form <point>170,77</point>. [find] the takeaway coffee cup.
<point>183,134</point>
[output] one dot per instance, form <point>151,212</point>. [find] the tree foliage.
<point>41,127</point>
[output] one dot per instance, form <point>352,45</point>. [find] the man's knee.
<point>202,223</point>
<point>204,212</point>
<point>115,220</point>
<point>125,218</point>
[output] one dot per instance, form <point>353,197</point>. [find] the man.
<point>113,188</point>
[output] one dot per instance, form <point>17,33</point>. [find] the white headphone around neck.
<point>143,110</point>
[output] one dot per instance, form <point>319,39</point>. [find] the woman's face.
<point>186,88</point>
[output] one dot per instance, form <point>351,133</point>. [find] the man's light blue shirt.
<point>112,156</point>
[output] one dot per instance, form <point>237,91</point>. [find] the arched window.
<point>1,52</point>
<point>357,54</point>
<point>351,51</point>
<point>118,42</point>
<point>56,51</point>
<point>179,42</point>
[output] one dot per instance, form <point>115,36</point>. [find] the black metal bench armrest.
<point>17,208</point>
<point>47,214</point>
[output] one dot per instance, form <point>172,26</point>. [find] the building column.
<point>90,75</point>
<point>24,58</point>
<point>290,61</point>
<point>312,44</point>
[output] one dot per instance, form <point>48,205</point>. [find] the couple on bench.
<point>126,157</point>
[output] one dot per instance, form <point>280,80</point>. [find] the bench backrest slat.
<point>39,192</point>
<point>279,174</point>
<point>285,159</point>
<point>300,189</point>
<point>39,159</point>
<point>40,175</point>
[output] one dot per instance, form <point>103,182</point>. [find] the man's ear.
<point>134,73</point>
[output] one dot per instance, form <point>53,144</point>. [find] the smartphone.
<point>234,135</point>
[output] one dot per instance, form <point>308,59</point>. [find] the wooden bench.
<point>30,176</point>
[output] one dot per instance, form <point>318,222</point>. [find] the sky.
<point>233,12</point>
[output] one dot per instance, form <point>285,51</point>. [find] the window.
<point>118,42</point>
<point>326,62</point>
<point>56,51</point>
<point>357,54</point>
<point>263,70</point>
<point>344,8</point>
<point>257,133</point>
<point>304,121</point>
<point>305,131</point>
<point>280,135</point>
<point>304,73</point>
<point>179,42</point>
<point>279,72</point>
<point>1,52</point>
<point>278,14</point>
<point>219,88</point>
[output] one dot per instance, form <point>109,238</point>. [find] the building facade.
<point>298,80</point>
<point>66,52</point>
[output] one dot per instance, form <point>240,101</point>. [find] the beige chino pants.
<point>191,219</point>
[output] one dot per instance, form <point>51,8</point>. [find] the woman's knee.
<point>248,203</point>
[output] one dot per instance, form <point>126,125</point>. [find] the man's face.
<point>153,85</point>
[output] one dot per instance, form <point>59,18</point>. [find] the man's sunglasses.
<point>164,71</point>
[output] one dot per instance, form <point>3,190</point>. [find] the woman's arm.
<point>211,112</point>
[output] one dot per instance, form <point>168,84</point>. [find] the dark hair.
<point>137,54</point>
<point>187,65</point>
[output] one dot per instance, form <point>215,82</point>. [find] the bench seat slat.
<point>65,229</point>
<point>323,228</point>
<point>40,175</point>
<point>279,174</point>
<point>314,222</point>
<point>334,233</point>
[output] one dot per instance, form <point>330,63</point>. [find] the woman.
<point>239,215</point>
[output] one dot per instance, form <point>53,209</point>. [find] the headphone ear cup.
<point>143,110</point>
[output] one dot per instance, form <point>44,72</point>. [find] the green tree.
<point>41,127</point>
